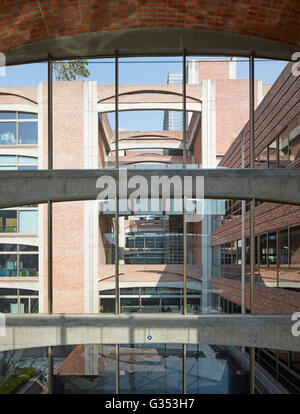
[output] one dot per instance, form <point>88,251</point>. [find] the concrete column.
<point>41,207</point>
<point>209,160</point>
<point>91,359</point>
<point>91,219</point>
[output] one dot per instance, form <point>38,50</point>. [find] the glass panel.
<point>28,221</point>
<point>24,305</point>
<point>295,140</point>
<point>284,247</point>
<point>8,159</point>
<point>28,133</point>
<point>27,160</point>
<point>34,305</point>
<point>8,305</point>
<point>28,265</point>
<point>284,149</point>
<point>8,133</point>
<point>129,305</point>
<point>8,292</point>
<point>107,305</point>
<point>272,249</point>
<point>27,292</point>
<point>27,168</point>
<point>295,245</point>
<point>27,115</point>
<point>263,158</point>
<point>8,247</point>
<point>27,248</point>
<point>273,154</point>
<point>8,221</point>
<point>8,115</point>
<point>263,249</point>
<point>8,265</point>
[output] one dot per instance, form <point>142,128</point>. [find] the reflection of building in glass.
<point>173,120</point>
<point>151,243</point>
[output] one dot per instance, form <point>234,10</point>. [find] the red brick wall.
<point>29,21</point>
<point>278,108</point>
<point>68,218</point>
<point>268,300</point>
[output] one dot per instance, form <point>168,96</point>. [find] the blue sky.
<point>139,71</point>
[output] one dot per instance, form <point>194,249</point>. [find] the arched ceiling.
<point>30,29</point>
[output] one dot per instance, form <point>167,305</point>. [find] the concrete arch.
<point>150,91</point>
<point>123,285</point>
<point>18,96</point>
<point>30,331</point>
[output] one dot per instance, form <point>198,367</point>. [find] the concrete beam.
<point>19,188</point>
<point>237,330</point>
<point>154,41</point>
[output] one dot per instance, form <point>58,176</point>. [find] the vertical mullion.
<point>50,167</point>
<point>117,370</point>
<point>117,282</point>
<point>184,200</point>
<point>49,218</point>
<point>184,369</point>
<point>243,257</point>
<point>252,218</point>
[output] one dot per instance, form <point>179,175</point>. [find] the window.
<point>18,128</point>
<point>284,247</point>
<point>19,220</point>
<point>18,260</point>
<point>19,301</point>
<point>272,256</point>
<point>263,249</point>
<point>284,149</point>
<point>263,158</point>
<point>295,140</point>
<point>295,245</point>
<point>18,162</point>
<point>272,152</point>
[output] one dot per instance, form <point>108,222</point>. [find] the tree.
<point>71,70</point>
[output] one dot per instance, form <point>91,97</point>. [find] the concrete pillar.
<point>209,160</point>
<point>91,219</point>
<point>91,359</point>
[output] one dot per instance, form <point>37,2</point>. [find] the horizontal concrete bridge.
<point>32,187</point>
<point>28,331</point>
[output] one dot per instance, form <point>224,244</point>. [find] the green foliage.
<point>14,382</point>
<point>71,70</point>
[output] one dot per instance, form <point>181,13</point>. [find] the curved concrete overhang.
<point>33,187</point>
<point>261,331</point>
<point>149,91</point>
<point>18,96</point>
<point>155,41</point>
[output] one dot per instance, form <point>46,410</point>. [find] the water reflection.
<point>142,369</point>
